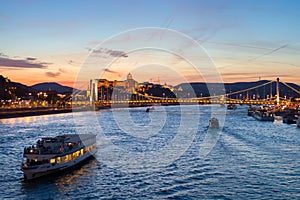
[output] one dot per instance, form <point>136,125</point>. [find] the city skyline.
<point>48,41</point>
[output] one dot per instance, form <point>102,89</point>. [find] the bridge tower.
<point>277,92</point>
<point>93,91</point>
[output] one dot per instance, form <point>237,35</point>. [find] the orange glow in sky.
<point>49,42</point>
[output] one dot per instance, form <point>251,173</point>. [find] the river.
<point>167,153</point>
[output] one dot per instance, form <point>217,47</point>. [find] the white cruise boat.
<point>54,154</point>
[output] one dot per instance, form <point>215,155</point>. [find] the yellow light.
<point>52,160</point>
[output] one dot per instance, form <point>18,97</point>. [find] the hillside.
<point>11,90</point>
<point>52,86</point>
<point>202,89</point>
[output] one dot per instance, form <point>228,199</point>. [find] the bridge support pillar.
<point>277,92</point>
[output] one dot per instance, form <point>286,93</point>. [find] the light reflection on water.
<point>251,159</point>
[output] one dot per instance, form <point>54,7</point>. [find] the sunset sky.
<point>52,41</point>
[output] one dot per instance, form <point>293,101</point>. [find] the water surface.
<point>247,159</point>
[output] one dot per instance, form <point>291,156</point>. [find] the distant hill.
<point>11,90</point>
<point>201,89</point>
<point>52,86</point>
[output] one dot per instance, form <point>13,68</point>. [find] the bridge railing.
<point>186,101</point>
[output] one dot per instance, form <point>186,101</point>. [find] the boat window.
<point>45,161</point>
<point>66,158</point>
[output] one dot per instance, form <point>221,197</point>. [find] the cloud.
<point>53,74</point>
<point>62,70</point>
<point>117,53</point>
<point>8,62</point>
<point>74,63</point>
<point>108,52</point>
<point>110,71</point>
<point>29,58</point>
<point>56,74</point>
<point>113,72</point>
<point>3,55</point>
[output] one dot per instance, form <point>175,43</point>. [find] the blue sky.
<point>245,39</point>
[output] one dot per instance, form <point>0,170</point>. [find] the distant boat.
<point>149,109</point>
<point>214,123</point>
<point>231,106</point>
<point>54,154</point>
<point>289,119</point>
<point>251,110</point>
<point>263,114</point>
<point>290,116</point>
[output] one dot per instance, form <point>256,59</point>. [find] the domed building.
<point>101,89</point>
<point>130,83</point>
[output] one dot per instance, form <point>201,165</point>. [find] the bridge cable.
<point>248,89</point>
<point>295,90</point>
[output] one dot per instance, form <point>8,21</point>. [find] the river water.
<point>167,153</point>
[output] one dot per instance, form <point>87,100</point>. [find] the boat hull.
<point>214,123</point>
<point>289,119</point>
<point>231,107</point>
<point>44,170</point>
<point>261,117</point>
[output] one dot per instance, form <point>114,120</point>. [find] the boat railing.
<point>40,149</point>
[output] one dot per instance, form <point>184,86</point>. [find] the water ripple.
<point>250,160</point>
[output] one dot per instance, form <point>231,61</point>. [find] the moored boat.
<point>231,106</point>
<point>289,119</point>
<point>54,154</point>
<point>251,110</point>
<point>149,109</point>
<point>290,116</point>
<point>263,115</point>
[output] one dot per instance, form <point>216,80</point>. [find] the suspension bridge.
<point>242,97</point>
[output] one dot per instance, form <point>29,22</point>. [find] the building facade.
<point>102,89</point>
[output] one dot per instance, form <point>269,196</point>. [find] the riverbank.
<point>24,112</point>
